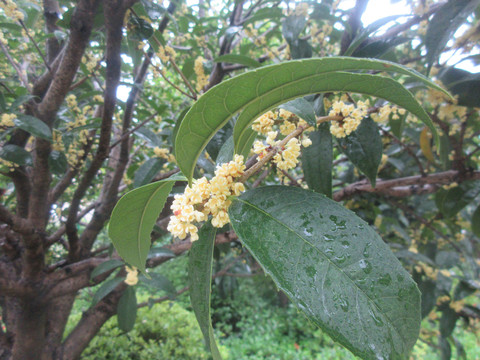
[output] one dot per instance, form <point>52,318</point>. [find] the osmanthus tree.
<point>342,158</point>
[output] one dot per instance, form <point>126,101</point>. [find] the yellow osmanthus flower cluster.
<point>287,157</point>
<point>6,121</point>
<point>384,113</point>
<point>164,154</point>
<point>206,198</point>
<point>202,78</point>
<point>132,275</point>
<point>352,117</point>
<point>11,10</point>
<point>165,53</point>
<point>264,124</point>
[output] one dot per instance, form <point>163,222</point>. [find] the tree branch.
<point>407,186</point>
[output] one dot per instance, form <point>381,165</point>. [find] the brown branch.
<point>114,15</point>
<point>17,223</point>
<point>407,186</point>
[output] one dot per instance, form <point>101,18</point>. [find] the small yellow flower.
<point>132,275</point>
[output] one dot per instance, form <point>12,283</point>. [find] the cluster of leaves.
<point>420,196</point>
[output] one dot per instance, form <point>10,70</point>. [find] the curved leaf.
<point>200,282</point>
<point>333,266</point>
<point>364,148</point>
<point>238,59</point>
<point>106,288</point>
<point>34,126</point>
<point>476,222</point>
<point>382,87</point>
<point>317,161</point>
<point>127,310</point>
<point>133,218</point>
<point>105,266</point>
<point>259,90</point>
<point>444,24</point>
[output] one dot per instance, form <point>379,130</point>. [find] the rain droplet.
<point>329,237</point>
<point>345,244</point>
<point>365,266</point>
<point>340,259</point>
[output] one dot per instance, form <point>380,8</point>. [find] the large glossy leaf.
<point>317,161</point>
<point>444,24</point>
<point>333,267</point>
<point>260,90</point>
<point>127,310</point>
<point>34,126</point>
<point>133,218</point>
<point>200,281</point>
<point>363,148</point>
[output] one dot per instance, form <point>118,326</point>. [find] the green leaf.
<point>451,201</point>
<point>365,33</point>
<point>133,218</point>
<point>200,281</point>
<point>159,282</point>
<point>302,108</point>
<point>105,267</point>
<point>148,135</point>
<point>226,153</point>
<point>58,162</point>
<point>465,85</point>
<point>127,310</point>
<point>476,222</point>
<point>363,148</point>
<point>292,27</point>
<point>147,171</point>
<point>257,91</point>
<point>238,59</point>
<point>444,24</point>
<point>33,126</point>
<point>106,288</point>
<point>16,154</point>
<point>333,267</point>
<point>317,161</point>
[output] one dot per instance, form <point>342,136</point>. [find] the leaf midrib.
<point>390,322</point>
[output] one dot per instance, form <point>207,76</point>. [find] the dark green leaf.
<point>200,281</point>
<point>105,267</point>
<point>127,310</point>
<point>133,218</point>
<point>302,108</point>
<point>16,154</point>
<point>148,135</point>
<point>363,148</point>
<point>147,171</point>
<point>161,251</point>
<point>333,267</point>
<point>465,85</point>
<point>58,162</point>
<point>218,140</point>
<point>447,321</point>
<point>277,84</point>
<point>451,201</point>
<point>238,59</point>
<point>33,126</point>
<point>20,100</point>
<point>292,27</point>
<point>476,221</point>
<point>317,161</point>
<point>106,288</point>
<point>226,152</point>
<point>159,282</point>
<point>365,33</point>
<point>444,24</point>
